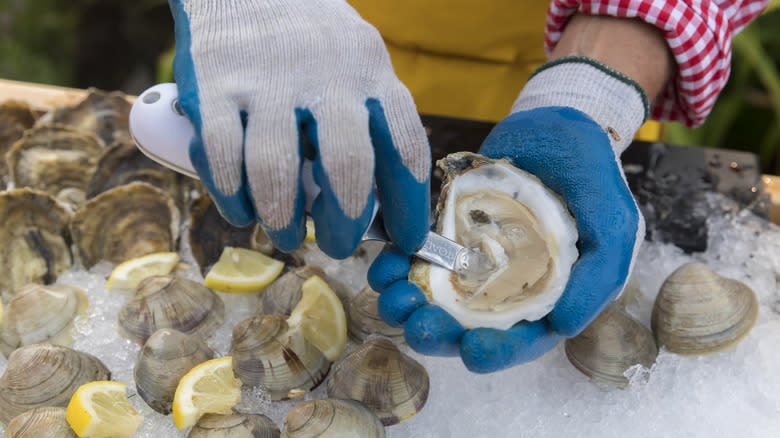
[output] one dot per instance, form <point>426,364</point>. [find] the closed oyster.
<point>234,426</point>
<point>519,223</point>
<point>105,114</point>
<point>125,222</point>
<point>34,238</point>
<point>610,345</point>
<point>267,352</point>
<point>49,422</point>
<point>39,313</point>
<point>167,301</point>
<point>281,297</point>
<point>376,373</point>
<point>15,118</point>
<point>165,358</point>
<point>123,163</point>
<point>56,159</point>
<point>41,375</point>
<point>332,418</point>
<point>364,321</point>
<point>699,312</point>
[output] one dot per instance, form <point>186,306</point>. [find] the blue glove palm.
<point>572,155</point>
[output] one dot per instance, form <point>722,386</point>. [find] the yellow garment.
<point>462,58</point>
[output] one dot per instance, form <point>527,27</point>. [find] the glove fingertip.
<point>388,267</point>
<point>398,301</point>
<point>432,331</point>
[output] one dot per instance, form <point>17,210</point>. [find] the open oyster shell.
<point>15,118</point>
<point>105,114</point>
<point>519,223</point>
<point>34,238</point>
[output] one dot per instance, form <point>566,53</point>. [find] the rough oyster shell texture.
<point>15,118</point>
<point>34,238</point>
<point>103,113</point>
<point>523,226</point>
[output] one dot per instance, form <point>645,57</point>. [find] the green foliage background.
<point>115,44</point>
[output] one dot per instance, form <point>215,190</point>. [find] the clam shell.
<point>39,313</point>
<point>167,301</point>
<point>46,422</point>
<point>41,375</point>
<point>125,222</point>
<point>234,426</point>
<point>281,297</point>
<point>364,321</point>
<point>104,114</point>
<point>56,159</point>
<point>610,345</point>
<point>15,118</point>
<point>163,360</point>
<point>267,352</point>
<point>389,382</point>
<point>332,418</point>
<point>699,312</point>
<point>34,238</point>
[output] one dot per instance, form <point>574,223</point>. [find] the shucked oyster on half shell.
<point>519,223</point>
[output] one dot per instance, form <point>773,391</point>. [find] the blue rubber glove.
<point>575,157</point>
<point>254,76</point>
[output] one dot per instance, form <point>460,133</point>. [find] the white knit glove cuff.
<point>614,101</point>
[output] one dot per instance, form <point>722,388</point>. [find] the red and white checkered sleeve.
<point>699,34</point>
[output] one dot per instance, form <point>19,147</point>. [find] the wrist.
<point>614,101</point>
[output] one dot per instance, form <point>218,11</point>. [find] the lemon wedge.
<point>209,388</point>
<point>242,271</point>
<point>310,230</point>
<point>128,274</point>
<point>320,315</point>
<point>101,409</point>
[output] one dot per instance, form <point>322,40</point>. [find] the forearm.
<point>630,46</point>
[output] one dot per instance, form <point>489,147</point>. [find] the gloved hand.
<point>253,76</point>
<point>558,132</point>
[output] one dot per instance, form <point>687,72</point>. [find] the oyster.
<point>363,321</point>
<point>38,313</point>
<point>332,418</point>
<point>49,422</point>
<point>164,359</point>
<point>699,312</point>
<point>56,159</point>
<point>281,297</point>
<point>34,238</point>
<point>125,222</point>
<point>519,223</point>
<point>41,375</point>
<point>122,163</point>
<point>167,301</point>
<point>267,352</point>
<point>105,114</point>
<point>610,345</point>
<point>234,426</point>
<point>15,118</point>
<point>376,373</point>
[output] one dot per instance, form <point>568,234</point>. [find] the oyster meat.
<point>525,229</point>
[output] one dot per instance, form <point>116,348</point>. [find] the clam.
<point>41,375</point>
<point>165,358</point>
<point>699,312</point>
<point>521,225</point>
<point>46,422</point>
<point>125,222</point>
<point>39,313</point>
<point>267,352</point>
<point>364,321</point>
<point>56,159</point>
<point>610,345</point>
<point>104,114</point>
<point>234,426</point>
<point>123,163</point>
<point>15,118</point>
<point>389,382</point>
<point>34,238</point>
<point>332,418</point>
<point>167,301</point>
<point>284,293</point>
